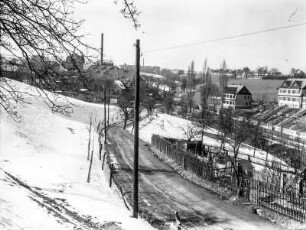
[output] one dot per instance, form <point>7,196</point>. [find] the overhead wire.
<point>227,38</point>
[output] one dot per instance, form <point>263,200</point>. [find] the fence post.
<point>100,150</point>
<point>89,170</point>
<point>111,175</point>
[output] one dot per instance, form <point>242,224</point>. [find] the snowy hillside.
<point>174,127</point>
<point>43,171</point>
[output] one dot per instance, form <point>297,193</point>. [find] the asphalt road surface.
<point>162,191</point>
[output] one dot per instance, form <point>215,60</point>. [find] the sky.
<point>168,23</point>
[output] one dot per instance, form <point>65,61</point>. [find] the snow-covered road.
<point>165,191</point>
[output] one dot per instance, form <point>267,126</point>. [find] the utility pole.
<point>102,44</point>
<point>104,88</point>
<point>105,112</point>
<point>136,132</point>
<point>108,102</point>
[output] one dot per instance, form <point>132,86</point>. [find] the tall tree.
<point>223,66</point>
<point>126,104</point>
<point>262,70</point>
<point>233,132</point>
<point>168,102</point>
<point>150,99</point>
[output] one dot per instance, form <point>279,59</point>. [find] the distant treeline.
<point>279,77</point>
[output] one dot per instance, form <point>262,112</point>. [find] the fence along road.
<point>162,191</point>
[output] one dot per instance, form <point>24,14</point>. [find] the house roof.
<point>294,83</point>
<point>237,89</point>
<point>111,72</point>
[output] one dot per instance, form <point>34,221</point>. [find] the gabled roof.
<point>286,84</point>
<point>294,83</point>
<point>230,90</point>
<point>237,89</point>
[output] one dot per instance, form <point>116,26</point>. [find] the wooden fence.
<point>288,201</point>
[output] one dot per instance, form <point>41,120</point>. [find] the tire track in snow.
<point>60,211</point>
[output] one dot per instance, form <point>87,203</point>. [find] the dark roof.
<point>299,84</point>
<point>286,84</point>
<point>244,91</point>
<point>239,89</point>
<point>230,90</point>
<point>294,83</point>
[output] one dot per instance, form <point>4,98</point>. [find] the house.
<point>292,93</point>
<point>237,97</point>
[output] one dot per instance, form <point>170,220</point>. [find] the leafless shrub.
<point>191,132</point>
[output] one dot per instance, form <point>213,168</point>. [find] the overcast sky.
<point>168,23</point>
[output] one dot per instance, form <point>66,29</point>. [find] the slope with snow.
<point>175,127</point>
<point>44,167</point>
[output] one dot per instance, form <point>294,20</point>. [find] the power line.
<point>227,38</point>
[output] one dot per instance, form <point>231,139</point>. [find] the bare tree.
<point>47,30</point>
<point>130,11</point>
<point>190,85</point>
<point>233,131</point>
<point>42,29</point>
<point>126,104</point>
<point>150,99</point>
<point>168,102</point>
<point>258,139</point>
<point>191,132</point>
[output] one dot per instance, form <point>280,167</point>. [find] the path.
<point>163,191</point>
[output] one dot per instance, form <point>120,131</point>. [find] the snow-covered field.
<point>44,167</point>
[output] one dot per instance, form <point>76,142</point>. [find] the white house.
<point>293,93</point>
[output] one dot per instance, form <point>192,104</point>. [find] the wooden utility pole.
<point>136,131</point>
<point>105,118</point>
<point>104,88</point>
<point>108,103</point>
<point>102,48</point>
